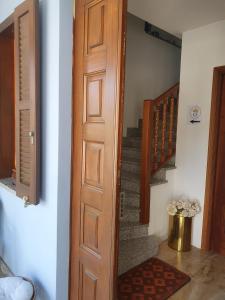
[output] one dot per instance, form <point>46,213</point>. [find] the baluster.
<point>163,131</point>
<point>171,126</point>
<point>156,135</point>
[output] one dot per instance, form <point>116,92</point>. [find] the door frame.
<point>209,206</point>
<point>73,212</point>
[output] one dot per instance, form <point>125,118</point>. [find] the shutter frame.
<point>26,30</point>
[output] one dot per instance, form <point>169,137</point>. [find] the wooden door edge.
<point>206,243</point>
<point>122,46</point>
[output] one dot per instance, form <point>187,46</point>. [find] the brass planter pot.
<point>180,233</point>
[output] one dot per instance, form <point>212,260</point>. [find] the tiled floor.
<point>207,272</point>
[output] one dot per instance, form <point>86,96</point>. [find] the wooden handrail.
<point>158,122</point>
<point>171,92</point>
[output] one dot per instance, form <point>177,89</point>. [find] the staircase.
<point>136,245</point>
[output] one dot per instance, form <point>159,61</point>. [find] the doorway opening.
<point>149,139</point>
<point>7,106</point>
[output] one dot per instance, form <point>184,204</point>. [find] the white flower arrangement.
<point>184,207</point>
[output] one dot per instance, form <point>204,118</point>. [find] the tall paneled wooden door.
<point>98,65</point>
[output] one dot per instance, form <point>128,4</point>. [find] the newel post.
<point>146,146</point>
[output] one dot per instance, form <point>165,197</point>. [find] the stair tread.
<point>131,159</point>
<point>158,182</point>
<point>169,167</point>
<point>130,208</point>
<point>139,243</point>
<point>128,224</point>
<point>133,149</point>
<point>135,194</point>
<point>132,138</point>
<point>131,162</point>
<point>130,175</point>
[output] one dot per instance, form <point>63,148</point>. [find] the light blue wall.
<point>34,241</point>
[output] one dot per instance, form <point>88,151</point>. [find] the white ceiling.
<point>177,16</point>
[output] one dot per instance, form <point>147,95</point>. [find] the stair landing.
<point>134,252</point>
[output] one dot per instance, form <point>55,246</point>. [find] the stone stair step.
<point>131,152</point>
<point>126,158</point>
<point>172,161</point>
<point>131,166</point>
<point>131,214</point>
<point>134,142</point>
<point>136,251</point>
<point>131,199</point>
<point>155,182</point>
<point>134,132</point>
<point>160,175</point>
<point>132,230</point>
<point>130,183</point>
<point>169,167</point>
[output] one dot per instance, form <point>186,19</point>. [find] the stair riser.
<point>131,200</point>
<point>133,132</point>
<point>172,161</point>
<point>131,152</point>
<point>129,167</point>
<point>160,175</point>
<point>130,186</point>
<point>132,143</point>
<point>129,158</point>
<point>130,216</point>
<point>130,233</point>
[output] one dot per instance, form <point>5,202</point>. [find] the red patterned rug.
<point>152,280</point>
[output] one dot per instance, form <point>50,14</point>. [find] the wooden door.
<point>218,235</point>
<point>97,79</point>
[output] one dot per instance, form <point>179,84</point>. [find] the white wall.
<point>203,49</point>
<point>152,66</point>
<point>178,16</point>
<point>34,241</point>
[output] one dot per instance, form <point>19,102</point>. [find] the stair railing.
<point>159,132</point>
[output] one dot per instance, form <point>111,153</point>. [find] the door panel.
<point>219,211</point>
<point>97,71</point>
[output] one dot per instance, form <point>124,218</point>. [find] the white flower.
<point>180,204</point>
<point>195,206</point>
<point>187,205</point>
<point>184,206</point>
<point>191,213</point>
<point>184,213</point>
<point>173,202</point>
<point>171,210</point>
